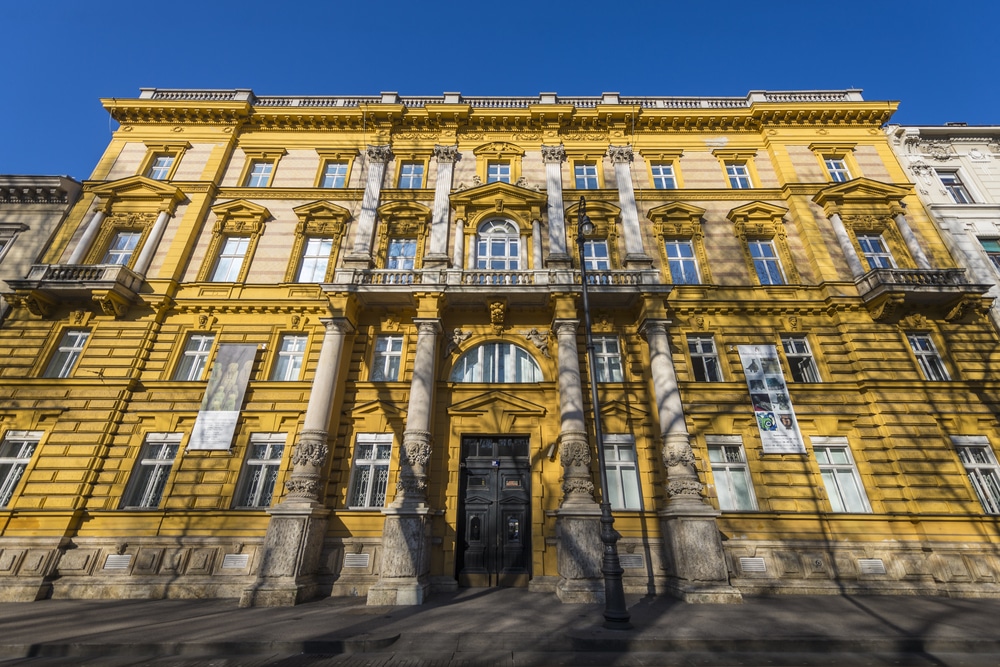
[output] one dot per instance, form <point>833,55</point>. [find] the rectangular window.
<point>766,262</point>
<point>663,176</point>
<point>230,262</point>
<point>704,359</point>
<point>402,254</point>
<point>159,170</point>
<point>122,246</point>
<point>992,248</point>
<point>980,463</point>
<point>955,187</point>
<point>411,175</point>
<point>67,353</point>
<point>315,260</point>
<point>586,175</point>
<point>840,477</point>
<point>739,175</point>
<point>370,473</point>
<point>334,175</point>
<point>195,357</point>
<point>388,354</point>
<point>259,175</point>
<point>608,359</point>
<point>623,473</point>
<point>16,451</point>
<point>595,255</point>
<point>260,472</point>
<point>156,458</point>
<point>876,252</point>
<point>800,359</point>
<point>497,172</point>
<point>288,368</point>
<point>837,168</point>
<point>927,357</point>
<point>731,475</point>
<point>682,263</point>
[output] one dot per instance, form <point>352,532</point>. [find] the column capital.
<point>446,153</point>
<point>650,327</point>
<point>565,327</point>
<point>337,325</point>
<point>426,326</point>
<point>380,154</point>
<point>553,154</point>
<point>620,154</point>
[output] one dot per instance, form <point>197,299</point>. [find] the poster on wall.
<point>772,407</point>
<point>220,408</point>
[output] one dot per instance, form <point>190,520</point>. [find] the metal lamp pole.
<point>616,615</point>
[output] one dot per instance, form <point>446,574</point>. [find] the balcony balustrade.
<point>112,286</point>
<point>892,293</point>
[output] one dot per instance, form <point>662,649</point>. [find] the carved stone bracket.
<point>498,313</point>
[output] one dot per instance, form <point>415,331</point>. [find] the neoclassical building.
<point>289,347</point>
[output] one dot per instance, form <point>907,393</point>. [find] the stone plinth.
<point>579,554</point>
<point>405,562</point>
<point>696,563</point>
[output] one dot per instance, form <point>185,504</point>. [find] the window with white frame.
<point>370,472</point>
<point>401,254</point>
<point>800,359</point>
<point>927,356</point>
<point>992,249</point>
<point>315,259</point>
<point>840,475</point>
<point>67,353</point>
<point>259,175</point>
<point>980,464</point>
<point>731,473</point>
<point>586,175</point>
<point>149,477</point>
<point>766,262</point>
<point>159,168</point>
<point>229,263</point>
<point>260,471</point>
<point>704,358</point>
<point>496,363</point>
<point>837,168</point>
<point>955,188</point>
<point>194,358</point>
<point>334,174</point>
<point>595,255</point>
<point>291,351</point>
<point>623,472</point>
<point>498,171</point>
<point>123,244</point>
<point>387,358</point>
<point>876,252</point>
<point>682,263</point>
<point>608,359</point>
<point>411,175</point>
<point>16,451</point>
<point>739,175</point>
<point>663,176</point>
<point>8,233</point>
<point>499,246</point>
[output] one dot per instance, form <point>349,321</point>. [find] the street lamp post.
<point>616,615</point>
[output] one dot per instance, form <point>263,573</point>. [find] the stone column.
<point>578,529</point>
<point>554,156</point>
<point>294,539</point>
<point>437,252</point>
<point>152,244</point>
<point>635,253</point>
<point>912,244</point>
<point>405,564</point>
<point>844,239</point>
<point>696,562</point>
<point>458,253</point>
<point>360,256</point>
<point>89,234</point>
<point>536,245</point>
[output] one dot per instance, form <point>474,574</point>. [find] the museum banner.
<point>772,406</point>
<point>220,408</point>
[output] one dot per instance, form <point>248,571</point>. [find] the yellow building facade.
<point>292,347</point>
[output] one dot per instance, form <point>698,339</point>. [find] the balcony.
<point>112,286</point>
<point>939,293</point>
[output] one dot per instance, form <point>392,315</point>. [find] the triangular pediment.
<point>486,195</point>
<point>405,210</point>
<point>493,401</point>
<point>623,410</point>
<point>378,406</point>
<point>322,210</point>
<point>676,212</point>
<point>241,208</point>
<point>595,209</point>
<point>860,191</point>
<point>757,210</point>
<point>139,189</point>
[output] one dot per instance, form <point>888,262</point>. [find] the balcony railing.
<point>891,292</point>
<point>73,277</point>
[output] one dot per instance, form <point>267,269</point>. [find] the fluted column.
<point>553,157</point>
<point>89,234</point>
<point>152,243</point>
<point>411,489</point>
<point>912,244</point>
<point>574,446</point>
<point>361,253</point>
<point>437,252</point>
<point>635,253</point>
<point>844,239</point>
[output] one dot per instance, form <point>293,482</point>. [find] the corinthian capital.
<point>446,153</point>
<point>379,153</point>
<point>555,154</point>
<point>620,154</point>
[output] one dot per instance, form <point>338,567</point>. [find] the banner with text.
<point>220,408</point>
<point>772,407</point>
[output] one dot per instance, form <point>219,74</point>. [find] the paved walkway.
<point>504,627</point>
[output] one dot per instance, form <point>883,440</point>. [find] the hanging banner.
<point>772,407</point>
<point>220,408</point>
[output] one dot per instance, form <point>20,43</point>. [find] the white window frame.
<point>928,358</point>
<point>194,358</point>
<point>401,254</point>
<point>728,461</point>
<point>955,186</point>
<point>876,252</point>
<point>622,465</point>
<point>229,263</point>
<point>265,452</point>
<point>498,171</point>
<point>498,235</point>
<point>595,255</point>
<point>608,358</point>
<point>983,470</point>
<point>67,353</point>
<point>837,168</point>
<point>990,246</point>
<point>767,266</point>
<point>334,174</point>
<point>585,175</point>
<point>259,174</point>
<point>16,450</point>
<point>370,474</point>
<point>291,353</point>
<point>738,174</point>
<point>497,362</point>
<point>387,358</point>
<point>801,361</point>
<point>316,253</point>
<point>704,356</point>
<point>683,268</point>
<point>148,481</point>
<point>411,176</point>
<point>160,167</point>
<point>836,475</point>
<point>122,247</point>
<point>664,177</point>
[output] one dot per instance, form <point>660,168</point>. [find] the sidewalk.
<point>505,626</point>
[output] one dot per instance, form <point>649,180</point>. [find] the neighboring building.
<point>287,347</point>
<point>31,208</point>
<point>956,169</point>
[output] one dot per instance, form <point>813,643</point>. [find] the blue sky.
<point>62,56</point>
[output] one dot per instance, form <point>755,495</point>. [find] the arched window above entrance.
<point>496,362</point>
<point>498,247</point>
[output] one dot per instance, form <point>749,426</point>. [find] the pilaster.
<point>635,253</point>
<point>360,256</point>
<point>553,157</point>
<point>437,252</point>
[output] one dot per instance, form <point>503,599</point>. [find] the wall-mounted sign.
<point>220,408</point>
<point>772,407</point>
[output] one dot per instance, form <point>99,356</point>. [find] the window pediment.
<point>676,219</point>
<point>499,198</point>
<point>240,216</point>
<point>862,195</point>
<point>321,217</point>
<point>138,192</point>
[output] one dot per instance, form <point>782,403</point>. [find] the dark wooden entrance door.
<point>494,536</point>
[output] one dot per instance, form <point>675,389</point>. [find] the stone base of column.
<point>357,261</point>
<point>696,563</point>
<point>290,557</point>
<point>405,563</point>
<point>636,261</point>
<point>436,261</point>
<point>580,552</point>
<point>558,261</point>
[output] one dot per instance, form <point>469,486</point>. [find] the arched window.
<point>499,246</point>
<point>496,362</point>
